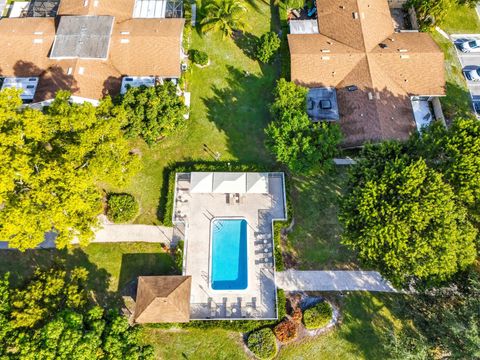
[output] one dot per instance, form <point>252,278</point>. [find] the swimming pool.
<point>229,270</point>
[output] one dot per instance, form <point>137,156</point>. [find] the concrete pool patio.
<point>194,211</point>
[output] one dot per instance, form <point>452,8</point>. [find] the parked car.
<point>472,74</point>
<point>469,46</point>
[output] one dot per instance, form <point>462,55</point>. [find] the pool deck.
<point>194,212</point>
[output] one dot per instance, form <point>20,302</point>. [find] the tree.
<point>49,166</point>
<point>225,16</point>
<point>152,112</point>
<point>292,137</point>
<point>456,153</point>
<point>53,317</point>
<point>431,12</point>
<point>268,45</point>
<point>403,219</point>
<point>446,321</point>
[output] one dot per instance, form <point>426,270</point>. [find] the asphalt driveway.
<point>469,61</point>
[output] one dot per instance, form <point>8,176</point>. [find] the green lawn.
<point>194,344</point>
<point>229,111</point>
<point>315,240</point>
<point>112,266</point>
<point>368,319</point>
<point>460,20</point>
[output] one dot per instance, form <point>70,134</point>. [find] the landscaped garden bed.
<point>318,314</point>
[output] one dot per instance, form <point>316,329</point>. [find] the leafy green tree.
<point>403,219</point>
<point>446,321</point>
<point>225,16</point>
<point>431,12</point>
<point>456,153</point>
<point>49,166</point>
<point>152,112</point>
<point>292,137</point>
<point>268,45</point>
<point>53,317</point>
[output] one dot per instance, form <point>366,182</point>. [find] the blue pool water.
<point>229,254</point>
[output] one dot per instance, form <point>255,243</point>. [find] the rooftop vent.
<point>403,50</point>
<point>370,96</point>
<point>383,45</point>
<point>404,56</point>
<point>325,50</point>
<point>352,88</point>
<point>355,15</point>
<point>325,57</point>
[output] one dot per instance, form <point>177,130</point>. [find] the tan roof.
<point>347,52</point>
<point>163,299</point>
<point>121,9</point>
<point>152,47</point>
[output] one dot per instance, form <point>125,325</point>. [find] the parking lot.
<point>469,61</point>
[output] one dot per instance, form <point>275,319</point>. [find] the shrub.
<point>282,304</point>
<point>198,57</point>
<point>297,315</point>
<point>121,207</point>
<point>262,343</point>
<point>286,331</point>
<point>318,315</point>
<point>268,45</point>
<point>179,255</point>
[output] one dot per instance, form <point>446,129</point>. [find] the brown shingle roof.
<point>347,52</point>
<point>153,48</point>
<point>163,299</point>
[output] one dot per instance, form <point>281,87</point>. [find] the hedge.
<point>233,325</point>
<point>168,188</point>
<point>317,316</point>
<point>262,343</point>
<point>121,207</point>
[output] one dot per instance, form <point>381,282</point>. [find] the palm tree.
<point>225,16</point>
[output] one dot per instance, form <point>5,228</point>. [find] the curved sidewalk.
<point>295,280</point>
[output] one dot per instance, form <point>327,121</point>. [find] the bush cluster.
<point>317,316</point>
<point>121,207</point>
<point>286,331</point>
<point>198,57</point>
<point>268,45</point>
<point>262,343</point>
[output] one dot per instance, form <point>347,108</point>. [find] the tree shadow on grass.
<point>145,264</point>
<point>247,42</point>
<point>369,320</point>
<point>22,266</point>
<point>240,110</point>
<point>457,102</point>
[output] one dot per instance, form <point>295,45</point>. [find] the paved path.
<point>111,233</point>
<point>294,280</point>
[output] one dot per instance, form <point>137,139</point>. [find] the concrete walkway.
<point>112,233</point>
<point>294,280</point>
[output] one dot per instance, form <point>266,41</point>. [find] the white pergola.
<point>229,182</point>
<point>201,182</point>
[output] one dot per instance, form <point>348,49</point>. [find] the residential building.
<point>88,46</point>
<point>362,73</point>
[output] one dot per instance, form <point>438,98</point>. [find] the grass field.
<point>315,240</point>
<point>229,111</point>
<point>461,20</point>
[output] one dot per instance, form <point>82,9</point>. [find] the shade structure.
<point>257,183</point>
<point>229,182</point>
<point>163,299</point>
<point>201,182</point>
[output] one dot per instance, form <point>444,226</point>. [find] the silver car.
<point>469,46</point>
